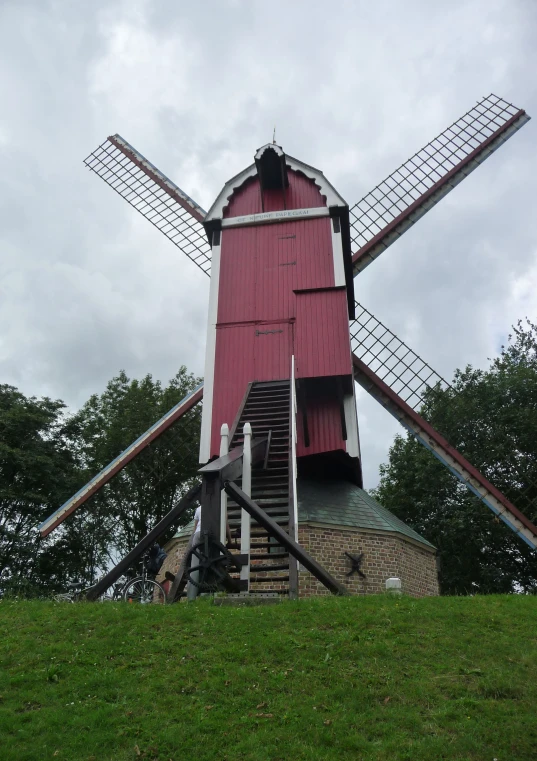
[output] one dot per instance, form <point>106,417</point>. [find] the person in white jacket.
<point>192,589</point>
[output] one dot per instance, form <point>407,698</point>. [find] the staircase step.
<point>269,568</point>
<point>267,555</point>
<point>267,410</point>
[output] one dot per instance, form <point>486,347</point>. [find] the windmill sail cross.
<point>278,350</point>
<point>154,196</point>
<point>121,461</point>
<point>398,202</point>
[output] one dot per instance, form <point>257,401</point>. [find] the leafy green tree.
<point>38,471</point>
<point>490,416</point>
<point>47,455</point>
<point>143,492</point>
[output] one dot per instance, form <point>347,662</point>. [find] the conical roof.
<point>342,503</point>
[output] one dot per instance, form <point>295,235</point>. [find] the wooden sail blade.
<point>385,213</point>
<point>154,195</point>
<point>448,455</point>
<point>132,451</point>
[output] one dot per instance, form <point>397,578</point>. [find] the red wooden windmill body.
<point>281,287</point>
<point>282,249</point>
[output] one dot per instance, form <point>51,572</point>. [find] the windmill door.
<point>273,346</point>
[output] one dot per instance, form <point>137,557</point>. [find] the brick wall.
<point>175,549</point>
<point>385,555</point>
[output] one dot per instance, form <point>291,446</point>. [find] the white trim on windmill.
<point>327,190</point>
<point>210,348</point>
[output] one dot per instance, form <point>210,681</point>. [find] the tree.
<point>141,494</point>
<point>46,456</point>
<point>490,416</point>
<point>38,471</point>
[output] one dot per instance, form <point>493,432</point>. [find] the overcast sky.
<point>88,287</point>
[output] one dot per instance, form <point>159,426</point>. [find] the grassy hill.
<point>358,678</point>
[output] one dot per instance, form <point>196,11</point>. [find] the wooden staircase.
<point>267,409</point>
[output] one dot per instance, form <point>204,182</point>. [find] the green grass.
<point>357,678</point>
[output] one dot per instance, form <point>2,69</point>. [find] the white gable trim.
<point>210,356</point>
<point>326,189</point>
<point>273,147</point>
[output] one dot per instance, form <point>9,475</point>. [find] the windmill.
<point>286,343</point>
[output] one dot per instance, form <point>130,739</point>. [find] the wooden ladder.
<point>267,409</point>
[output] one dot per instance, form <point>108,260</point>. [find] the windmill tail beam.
<point>442,450</point>
<point>416,174</point>
<point>102,478</point>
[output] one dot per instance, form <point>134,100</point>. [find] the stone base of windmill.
<point>346,530</point>
<point>349,532</point>
<point>382,556</point>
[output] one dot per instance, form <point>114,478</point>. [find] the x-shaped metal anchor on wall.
<point>356,562</point>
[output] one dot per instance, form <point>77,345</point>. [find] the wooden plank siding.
<point>302,193</point>
<point>262,317</point>
<point>322,343</point>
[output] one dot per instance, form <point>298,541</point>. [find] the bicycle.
<point>144,589</point>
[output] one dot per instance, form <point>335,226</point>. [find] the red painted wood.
<point>324,425</point>
<point>232,372</point>
<point>322,343</point>
<point>245,353</point>
<point>273,346</point>
<point>261,267</point>
<point>302,193</point>
<point>236,290</point>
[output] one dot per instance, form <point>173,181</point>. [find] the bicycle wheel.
<point>144,591</point>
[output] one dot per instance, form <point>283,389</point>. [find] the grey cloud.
<point>87,287</point>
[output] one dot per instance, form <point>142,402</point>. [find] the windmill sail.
<point>395,363</point>
<point>397,203</point>
<point>122,460</point>
<point>154,195</point>
<point>396,377</point>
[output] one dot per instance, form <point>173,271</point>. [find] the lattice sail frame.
<point>410,377</point>
<point>391,359</point>
<point>154,196</point>
<point>395,204</point>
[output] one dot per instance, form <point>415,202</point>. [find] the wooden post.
<point>247,489</point>
<point>210,505</point>
<point>224,449</point>
<point>293,499</point>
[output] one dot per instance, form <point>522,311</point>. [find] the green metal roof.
<point>185,530</point>
<point>342,503</point>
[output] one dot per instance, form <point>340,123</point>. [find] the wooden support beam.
<point>283,539</point>
<point>175,513</point>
